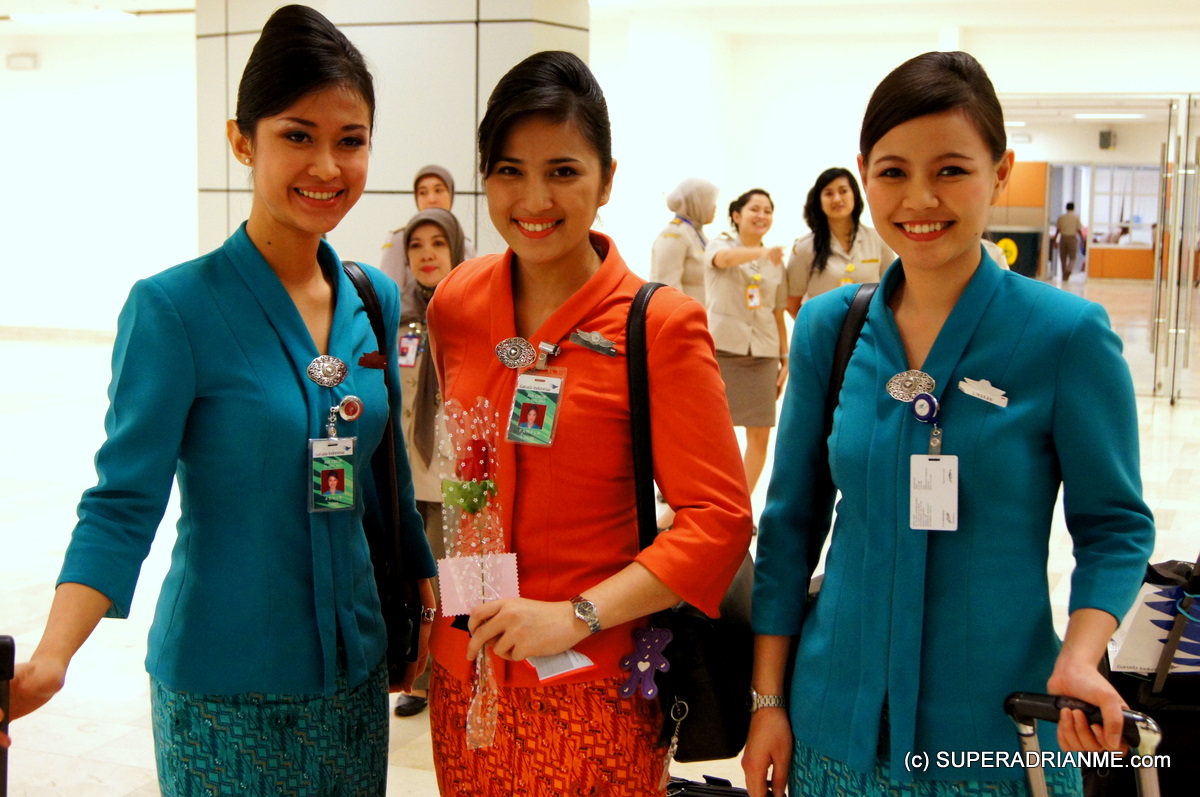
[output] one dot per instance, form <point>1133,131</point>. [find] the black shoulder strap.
<point>852,326</point>
<point>366,291</point>
<point>370,300</point>
<point>639,412</point>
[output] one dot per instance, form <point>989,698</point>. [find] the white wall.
<point>99,150</point>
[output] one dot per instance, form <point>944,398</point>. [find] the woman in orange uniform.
<point>567,508</point>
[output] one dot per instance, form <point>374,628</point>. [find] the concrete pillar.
<point>434,66</point>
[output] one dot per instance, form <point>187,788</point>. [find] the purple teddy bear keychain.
<point>646,659</point>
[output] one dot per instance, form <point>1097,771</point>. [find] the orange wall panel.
<point>1027,186</point>
<point>1120,262</point>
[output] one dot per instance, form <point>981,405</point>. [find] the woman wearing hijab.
<point>433,187</point>
<point>677,258</point>
<point>433,244</point>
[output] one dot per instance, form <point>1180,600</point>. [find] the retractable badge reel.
<point>331,476</point>
<point>933,480</point>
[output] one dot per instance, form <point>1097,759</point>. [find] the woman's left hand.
<point>783,375</point>
<point>517,628</point>
<point>1076,679</point>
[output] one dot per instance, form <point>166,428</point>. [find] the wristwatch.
<point>586,610</point>
<point>428,614</point>
<point>758,701</point>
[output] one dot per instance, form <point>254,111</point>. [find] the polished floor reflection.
<point>94,738</point>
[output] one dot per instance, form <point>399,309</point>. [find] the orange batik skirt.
<point>551,741</point>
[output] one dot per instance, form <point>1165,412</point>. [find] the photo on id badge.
<point>535,408</point>
<point>332,478</point>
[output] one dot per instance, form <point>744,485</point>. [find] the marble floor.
<point>94,740</point>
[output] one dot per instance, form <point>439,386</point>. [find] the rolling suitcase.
<point>7,658</point>
<point>1141,733</point>
<point>1171,698</point>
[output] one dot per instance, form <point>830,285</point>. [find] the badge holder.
<point>410,347</point>
<point>933,478</point>
<point>754,293</point>
<point>331,471</point>
<point>534,416</point>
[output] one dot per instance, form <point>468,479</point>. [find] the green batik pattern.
<point>254,745</point>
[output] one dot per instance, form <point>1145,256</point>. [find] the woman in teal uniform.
<point>925,623</point>
<point>245,366</point>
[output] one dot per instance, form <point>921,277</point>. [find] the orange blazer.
<point>568,509</point>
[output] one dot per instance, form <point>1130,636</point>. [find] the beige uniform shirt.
<point>677,259</point>
<point>1068,224</point>
<point>737,328</point>
<point>866,261</point>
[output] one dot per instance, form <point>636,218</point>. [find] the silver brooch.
<point>906,385</point>
<point>594,341</point>
<point>327,371</point>
<point>516,353</point>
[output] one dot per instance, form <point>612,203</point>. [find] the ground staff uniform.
<point>865,262</point>
<point>569,515</point>
<point>742,302</point>
<point>677,258</point>
<point>937,627</point>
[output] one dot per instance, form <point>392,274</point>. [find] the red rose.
<point>474,466</point>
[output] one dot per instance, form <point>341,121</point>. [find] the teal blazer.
<point>940,626</point>
<point>209,387</point>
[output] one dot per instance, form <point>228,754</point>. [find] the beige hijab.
<point>692,200</point>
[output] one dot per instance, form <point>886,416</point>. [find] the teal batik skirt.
<point>817,775</point>
<point>254,745</point>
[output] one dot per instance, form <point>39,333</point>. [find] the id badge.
<point>534,413</point>
<point>753,297</point>
<point>331,480</point>
<point>933,493</point>
<point>410,347</point>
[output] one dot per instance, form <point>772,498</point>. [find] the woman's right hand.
<point>32,686</point>
<point>768,753</point>
<point>34,683</point>
<point>774,254</point>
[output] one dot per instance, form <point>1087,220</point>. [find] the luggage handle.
<point>1140,732</point>
<point>1026,708</point>
<point>7,666</point>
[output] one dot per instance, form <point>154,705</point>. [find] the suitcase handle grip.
<point>7,666</point>
<point>1028,707</point>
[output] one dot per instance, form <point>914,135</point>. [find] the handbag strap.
<point>639,402</point>
<point>370,300</point>
<point>852,326</point>
<point>639,412</point>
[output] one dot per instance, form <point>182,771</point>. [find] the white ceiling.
<point>788,17</point>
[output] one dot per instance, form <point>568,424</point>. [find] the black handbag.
<point>711,787</point>
<point>704,693</point>
<point>399,596</point>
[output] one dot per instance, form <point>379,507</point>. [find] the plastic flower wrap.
<point>474,537</point>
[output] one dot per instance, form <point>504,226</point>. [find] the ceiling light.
<point>1110,116</point>
<point>72,17</point>
<point>1014,124</point>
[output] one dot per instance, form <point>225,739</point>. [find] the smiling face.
<point>753,221</point>
<point>310,164</point>
<point>543,191</point>
<point>930,184</point>
<point>429,254</point>
<point>837,199</point>
<point>433,193</point>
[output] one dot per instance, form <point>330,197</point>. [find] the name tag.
<point>933,493</point>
